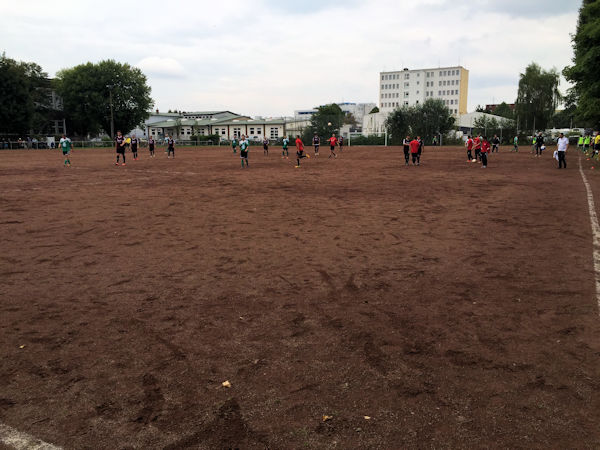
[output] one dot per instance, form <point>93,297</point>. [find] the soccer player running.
<point>134,147</point>
<point>477,145</point>
<point>406,148</point>
<point>516,144</point>
<point>299,151</point>
<point>469,145</point>
<point>234,144</point>
<point>66,145</point>
<point>495,143</point>
<point>266,146</point>
<point>316,143</point>
<point>170,146</point>
<point>332,143</point>
<point>244,144</point>
<point>414,151</point>
<point>485,149</point>
<point>341,143</point>
<point>151,144</point>
<point>561,150</point>
<point>120,147</point>
<point>285,152</point>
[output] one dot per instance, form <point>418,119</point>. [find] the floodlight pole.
<point>112,118</point>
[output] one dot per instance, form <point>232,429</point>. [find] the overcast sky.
<point>270,57</point>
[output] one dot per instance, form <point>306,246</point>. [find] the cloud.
<point>155,66</point>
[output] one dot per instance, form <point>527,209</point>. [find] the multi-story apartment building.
<point>413,87</point>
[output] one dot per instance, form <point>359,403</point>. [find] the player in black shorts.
<point>316,144</point>
<point>495,143</point>
<point>341,143</point>
<point>406,148</point>
<point>265,147</point>
<point>134,147</point>
<point>170,146</point>
<point>151,146</point>
<point>120,147</point>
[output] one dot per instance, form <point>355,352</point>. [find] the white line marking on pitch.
<point>595,232</point>
<point>23,441</point>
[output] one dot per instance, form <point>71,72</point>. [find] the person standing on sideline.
<point>495,143</point>
<point>469,145</point>
<point>477,145</point>
<point>485,149</point>
<point>516,144</point>
<point>586,143</point>
<point>151,144</point>
<point>66,145</point>
<point>244,144</point>
<point>580,143</point>
<point>406,147</point>
<point>316,144</point>
<point>539,143</point>
<point>561,150</point>
<point>266,146</point>
<point>170,146</point>
<point>299,151</point>
<point>332,143</point>
<point>414,151</point>
<point>234,144</point>
<point>597,143</point>
<point>120,147</point>
<point>284,152</point>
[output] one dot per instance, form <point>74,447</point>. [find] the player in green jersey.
<point>234,144</point>
<point>284,153</point>
<point>66,145</point>
<point>244,144</point>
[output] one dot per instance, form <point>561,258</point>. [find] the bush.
<point>214,138</point>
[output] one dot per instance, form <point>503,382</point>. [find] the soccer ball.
<point>328,124</point>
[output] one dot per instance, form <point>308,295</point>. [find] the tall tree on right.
<point>537,98</point>
<point>584,73</point>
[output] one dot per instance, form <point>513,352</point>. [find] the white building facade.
<point>412,87</point>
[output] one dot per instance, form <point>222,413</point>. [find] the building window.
<point>274,133</point>
<point>405,103</point>
<point>258,131</point>
<point>223,131</point>
<point>406,76</point>
<point>251,131</point>
<point>418,83</point>
<point>406,95</point>
<point>406,84</point>
<point>439,83</point>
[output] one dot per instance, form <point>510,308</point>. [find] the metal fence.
<point>20,145</point>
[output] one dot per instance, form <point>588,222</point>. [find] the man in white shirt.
<point>562,144</point>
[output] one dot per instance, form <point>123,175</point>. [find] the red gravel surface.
<point>453,306</point>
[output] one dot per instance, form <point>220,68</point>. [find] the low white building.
<point>374,123</point>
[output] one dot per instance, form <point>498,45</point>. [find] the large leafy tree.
<point>503,110</point>
<point>427,120</point>
<point>89,90</point>
<point>537,97</point>
<point>584,73</point>
<point>21,95</point>
<point>321,120</point>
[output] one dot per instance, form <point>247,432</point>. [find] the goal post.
<point>375,138</point>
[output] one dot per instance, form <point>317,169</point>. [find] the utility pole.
<point>112,118</point>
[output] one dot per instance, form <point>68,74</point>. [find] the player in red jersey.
<point>332,143</point>
<point>477,145</point>
<point>485,149</point>
<point>299,151</point>
<point>414,151</point>
<point>469,145</point>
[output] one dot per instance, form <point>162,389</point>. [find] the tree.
<point>537,97</point>
<point>489,126</point>
<point>374,110</point>
<point>586,64</point>
<point>21,95</point>
<point>349,119</point>
<point>397,124</point>
<point>428,120</point>
<point>90,91</point>
<point>503,110</point>
<point>325,115</point>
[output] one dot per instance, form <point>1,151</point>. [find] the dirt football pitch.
<point>352,303</point>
